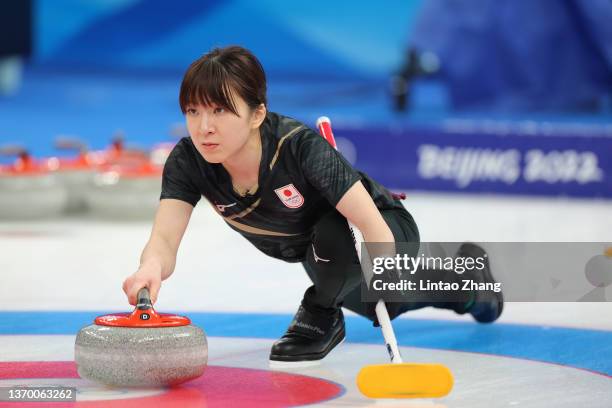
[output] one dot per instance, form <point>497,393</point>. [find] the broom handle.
<point>324,126</point>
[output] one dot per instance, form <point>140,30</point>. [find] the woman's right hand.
<point>147,276</point>
<point>159,255</point>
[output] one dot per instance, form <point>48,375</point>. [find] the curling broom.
<point>398,379</point>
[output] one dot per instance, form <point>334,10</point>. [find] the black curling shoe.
<point>310,337</point>
<point>486,306</point>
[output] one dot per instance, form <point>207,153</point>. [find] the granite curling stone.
<point>75,173</point>
<point>125,191</point>
<point>141,349</point>
<point>27,189</point>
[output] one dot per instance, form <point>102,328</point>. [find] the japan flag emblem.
<point>290,196</point>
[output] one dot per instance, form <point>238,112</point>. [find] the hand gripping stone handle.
<point>143,301</point>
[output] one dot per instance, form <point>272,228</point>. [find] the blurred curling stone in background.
<point>75,173</point>
<point>119,182</point>
<point>117,152</point>
<point>161,151</point>
<point>127,184</point>
<point>125,191</point>
<point>28,189</point>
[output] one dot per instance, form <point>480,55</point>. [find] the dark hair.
<point>211,79</point>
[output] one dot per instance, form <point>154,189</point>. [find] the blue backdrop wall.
<point>302,39</point>
<point>103,65</point>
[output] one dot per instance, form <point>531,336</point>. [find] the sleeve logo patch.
<point>290,196</point>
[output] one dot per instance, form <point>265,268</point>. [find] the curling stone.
<point>126,185</point>
<point>74,173</point>
<point>116,153</point>
<point>27,188</point>
<point>141,349</point>
<point>126,191</point>
<point>160,153</point>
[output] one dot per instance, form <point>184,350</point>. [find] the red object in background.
<point>117,154</point>
<point>82,162</point>
<point>28,190</point>
<point>132,169</point>
<point>24,165</point>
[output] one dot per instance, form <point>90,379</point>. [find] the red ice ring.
<point>218,386</point>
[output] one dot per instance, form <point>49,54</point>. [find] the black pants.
<point>333,266</point>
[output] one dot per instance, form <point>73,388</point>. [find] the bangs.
<point>207,83</point>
